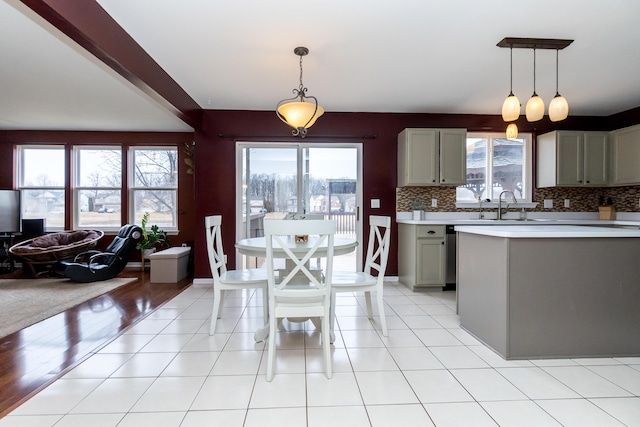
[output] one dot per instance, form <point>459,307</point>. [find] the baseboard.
<point>203,282</point>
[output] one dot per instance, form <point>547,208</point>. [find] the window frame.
<point>20,171</point>
<point>76,188</point>
<point>527,163</point>
<point>71,187</point>
<point>132,188</point>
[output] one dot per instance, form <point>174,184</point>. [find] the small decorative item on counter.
<point>607,210</point>
<point>418,207</point>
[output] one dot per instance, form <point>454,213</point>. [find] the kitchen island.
<point>550,291</point>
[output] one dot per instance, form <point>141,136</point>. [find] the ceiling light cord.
<point>534,72</point>
<point>559,107</point>
<point>301,87</point>
<point>511,105</point>
<point>557,93</point>
<point>535,105</point>
<point>511,71</point>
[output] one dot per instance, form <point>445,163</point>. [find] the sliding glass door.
<point>276,180</point>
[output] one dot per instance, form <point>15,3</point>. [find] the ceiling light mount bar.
<point>532,43</point>
<point>558,109</point>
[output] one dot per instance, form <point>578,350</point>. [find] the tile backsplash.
<point>582,199</point>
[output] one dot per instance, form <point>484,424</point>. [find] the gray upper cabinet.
<point>625,156</point>
<point>432,157</point>
<point>572,158</point>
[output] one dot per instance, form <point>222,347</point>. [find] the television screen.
<point>9,211</point>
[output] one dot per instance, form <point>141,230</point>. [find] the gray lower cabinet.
<point>421,255</point>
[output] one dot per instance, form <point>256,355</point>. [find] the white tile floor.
<point>167,371</point>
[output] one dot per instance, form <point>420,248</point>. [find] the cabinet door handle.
<point>443,243</point>
<point>433,180</point>
<point>431,232</point>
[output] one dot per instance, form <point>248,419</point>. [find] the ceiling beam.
<point>89,25</point>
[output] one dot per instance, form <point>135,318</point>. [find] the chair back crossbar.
<point>378,249</point>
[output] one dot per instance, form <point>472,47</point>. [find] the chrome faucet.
<point>480,201</point>
<point>513,196</point>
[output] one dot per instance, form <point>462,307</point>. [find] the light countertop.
<point>538,221</point>
<point>548,231</point>
<point>511,221</point>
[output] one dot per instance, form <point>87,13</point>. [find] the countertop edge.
<point>549,231</point>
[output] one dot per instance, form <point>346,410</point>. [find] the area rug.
<point>24,302</point>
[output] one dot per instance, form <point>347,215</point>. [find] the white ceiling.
<point>416,56</point>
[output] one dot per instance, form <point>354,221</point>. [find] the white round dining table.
<point>257,246</point>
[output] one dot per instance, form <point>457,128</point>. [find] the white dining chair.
<point>299,293</point>
<point>365,281</point>
<point>223,279</point>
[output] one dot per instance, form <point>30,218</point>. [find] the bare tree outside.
<point>98,185</point>
<point>155,184</point>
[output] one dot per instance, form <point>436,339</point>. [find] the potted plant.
<point>151,238</point>
<point>418,207</point>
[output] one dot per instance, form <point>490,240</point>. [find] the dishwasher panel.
<point>450,267</point>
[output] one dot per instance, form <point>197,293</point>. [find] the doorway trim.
<point>240,145</point>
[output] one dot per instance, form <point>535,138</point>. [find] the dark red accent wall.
<point>215,158</point>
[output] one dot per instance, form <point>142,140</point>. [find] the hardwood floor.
<point>34,357</point>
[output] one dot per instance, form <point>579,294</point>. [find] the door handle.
<point>358,213</point>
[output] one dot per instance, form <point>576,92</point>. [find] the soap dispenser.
<point>523,214</point>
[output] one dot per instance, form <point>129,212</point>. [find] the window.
<point>154,185</point>
<point>495,164</point>
<point>41,181</point>
<point>95,181</point>
<point>98,180</point>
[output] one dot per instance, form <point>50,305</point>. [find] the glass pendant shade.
<point>300,114</point>
<point>511,108</point>
<point>535,108</point>
<point>558,108</point>
<point>512,131</point>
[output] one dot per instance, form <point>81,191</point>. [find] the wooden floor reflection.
<point>32,358</point>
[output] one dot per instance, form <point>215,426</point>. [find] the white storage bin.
<point>169,265</point>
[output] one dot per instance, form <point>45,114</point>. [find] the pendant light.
<point>298,112</point>
<point>511,105</point>
<point>512,131</point>
<point>535,105</point>
<point>559,107</point>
